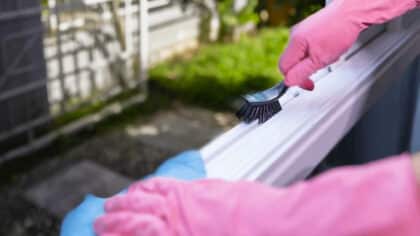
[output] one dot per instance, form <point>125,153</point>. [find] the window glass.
<point>411,17</point>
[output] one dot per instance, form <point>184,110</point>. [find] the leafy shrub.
<point>287,12</point>
<point>230,18</point>
<point>219,72</point>
<point>303,9</point>
<point>223,11</point>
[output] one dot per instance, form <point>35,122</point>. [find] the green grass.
<point>218,72</point>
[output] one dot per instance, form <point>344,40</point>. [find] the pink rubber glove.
<point>377,199</point>
<point>323,37</point>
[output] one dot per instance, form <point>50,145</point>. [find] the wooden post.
<point>52,17</point>
<point>60,57</point>
<point>128,23</point>
<point>128,37</point>
<point>144,39</point>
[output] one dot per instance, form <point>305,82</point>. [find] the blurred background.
<point>97,93</point>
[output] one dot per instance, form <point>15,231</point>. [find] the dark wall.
<point>387,129</point>
<point>21,65</point>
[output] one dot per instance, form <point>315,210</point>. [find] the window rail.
<point>290,145</point>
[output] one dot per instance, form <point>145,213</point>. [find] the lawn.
<point>218,73</point>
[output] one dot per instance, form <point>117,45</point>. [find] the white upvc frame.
<point>290,145</point>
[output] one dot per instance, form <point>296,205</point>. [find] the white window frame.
<point>291,144</point>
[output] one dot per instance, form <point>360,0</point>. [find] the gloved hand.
<point>79,222</point>
<point>323,37</point>
<point>416,164</point>
<point>377,199</point>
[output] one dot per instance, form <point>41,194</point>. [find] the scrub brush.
<point>262,105</point>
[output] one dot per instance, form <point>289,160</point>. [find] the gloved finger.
<point>138,202</point>
<point>130,224</point>
<point>159,185</point>
<point>109,222</point>
<point>299,75</point>
<point>293,54</point>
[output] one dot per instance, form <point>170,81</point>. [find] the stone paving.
<point>103,165</point>
<point>62,192</point>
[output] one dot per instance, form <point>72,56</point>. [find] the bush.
<point>303,9</point>
<point>230,19</point>
<point>217,73</point>
<point>288,12</point>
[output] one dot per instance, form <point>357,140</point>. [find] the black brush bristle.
<point>263,105</point>
<point>261,112</point>
<point>264,115</point>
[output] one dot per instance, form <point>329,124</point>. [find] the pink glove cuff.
<point>377,11</point>
<point>381,198</point>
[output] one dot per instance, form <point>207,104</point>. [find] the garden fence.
<point>94,50</point>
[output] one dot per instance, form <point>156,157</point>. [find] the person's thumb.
<point>299,74</point>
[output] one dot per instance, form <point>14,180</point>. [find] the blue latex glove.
<point>79,222</point>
